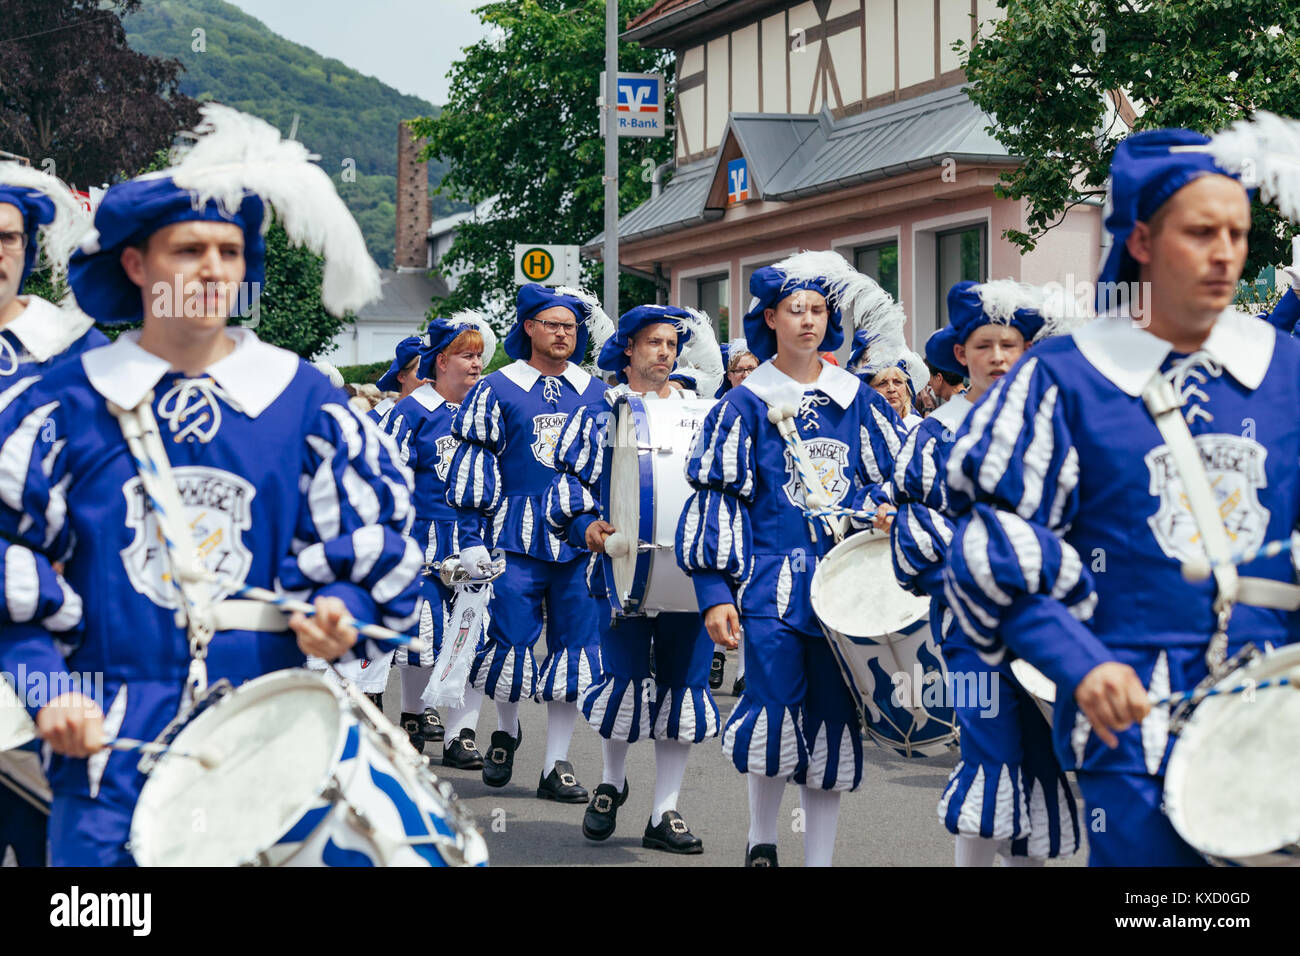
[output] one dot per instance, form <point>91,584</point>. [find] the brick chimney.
<point>412,204</point>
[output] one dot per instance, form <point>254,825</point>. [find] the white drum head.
<point>854,591</point>
<point>624,499</point>
<point>1232,785</point>
<point>276,737</point>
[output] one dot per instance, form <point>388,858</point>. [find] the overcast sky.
<point>409,44</point>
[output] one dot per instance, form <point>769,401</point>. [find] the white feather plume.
<point>599,326</point>
<point>1265,152</point>
<point>1002,298</point>
<point>59,238</point>
<point>701,357</point>
<point>235,154</point>
<point>862,302</point>
<point>916,370</point>
<point>479,321</point>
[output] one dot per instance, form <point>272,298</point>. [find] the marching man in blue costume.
<point>751,550</point>
<point>40,223</point>
<point>674,707</point>
<point>1008,785</point>
<point>323,517</point>
<point>420,425</point>
<point>509,427</point>
<point>1070,484</point>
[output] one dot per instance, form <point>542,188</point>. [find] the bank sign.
<point>640,109</point>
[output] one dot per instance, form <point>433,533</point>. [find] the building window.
<point>960,254</point>
<point>880,262</point>
<point>713,296</point>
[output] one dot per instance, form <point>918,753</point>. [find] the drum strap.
<point>783,417</point>
<point>1165,406</point>
<point>198,613</point>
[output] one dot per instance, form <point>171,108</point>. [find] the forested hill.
<point>342,114</point>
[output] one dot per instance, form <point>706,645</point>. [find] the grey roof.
<point>796,155</point>
<point>680,204</point>
<point>405,295</point>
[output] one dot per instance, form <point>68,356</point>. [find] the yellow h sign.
<point>537,264</point>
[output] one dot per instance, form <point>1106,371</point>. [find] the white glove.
<point>476,561</point>
<point>1293,273</point>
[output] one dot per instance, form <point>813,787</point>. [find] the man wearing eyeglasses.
<point>40,223</point>
<point>509,427</point>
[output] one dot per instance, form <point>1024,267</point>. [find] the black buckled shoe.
<point>737,689</point>
<point>431,728</point>
<point>672,835</point>
<point>411,724</point>
<point>499,761</point>
<point>463,753</point>
<point>762,855</point>
<point>561,785</point>
<point>602,813</point>
<point>715,670</point>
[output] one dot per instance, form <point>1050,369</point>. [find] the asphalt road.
<point>890,821</point>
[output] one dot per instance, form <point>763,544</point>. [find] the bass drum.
<point>643,494</point>
<point>880,637</point>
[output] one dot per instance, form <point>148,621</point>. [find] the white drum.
<point>20,757</point>
<point>1232,784</point>
<point>880,636</point>
<point>1042,690</point>
<point>644,492</point>
<point>307,773</point>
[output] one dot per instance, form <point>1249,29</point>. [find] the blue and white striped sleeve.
<point>920,533</point>
<point>572,501</point>
<point>402,430</point>
<point>1011,578</point>
<point>352,538</point>
<point>474,478</point>
<point>40,615</point>
<point>714,538</point>
<point>880,440</point>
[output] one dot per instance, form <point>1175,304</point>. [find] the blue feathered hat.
<point>614,358</point>
<point>1145,172</point>
<point>441,332</point>
<point>533,298</point>
<point>407,350</point>
<point>847,293</point>
<point>237,168</point>
<point>975,304</point>
<point>53,219</point>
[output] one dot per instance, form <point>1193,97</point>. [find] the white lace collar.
<point>525,376</point>
<point>45,330</point>
<point>776,388</point>
<point>254,374</point>
<point>1128,356</point>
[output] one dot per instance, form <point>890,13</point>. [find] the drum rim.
<point>645,518</point>
<point>290,676</point>
<point>1192,731</point>
<point>851,543</point>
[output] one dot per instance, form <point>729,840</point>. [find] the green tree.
<point>1047,70</point>
<point>523,125</point>
<point>290,311</point>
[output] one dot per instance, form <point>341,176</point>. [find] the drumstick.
<point>1199,568</point>
<point>1215,691</point>
<point>208,758</point>
<point>368,630</point>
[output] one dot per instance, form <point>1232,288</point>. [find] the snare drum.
<point>643,494</point>
<point>880,637</point>
<point>1232,784</point>
<point>308,773</point>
